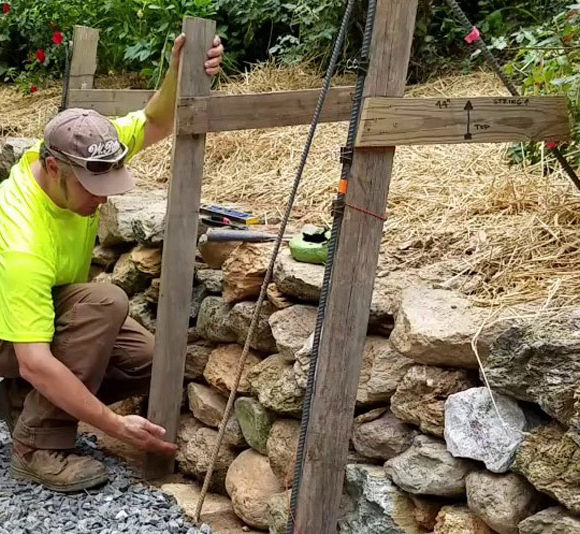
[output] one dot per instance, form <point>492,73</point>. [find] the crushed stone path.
<point>124,505</point>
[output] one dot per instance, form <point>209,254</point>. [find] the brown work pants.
<point>107,350</point>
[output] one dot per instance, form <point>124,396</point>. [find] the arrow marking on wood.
<point>469,109</point>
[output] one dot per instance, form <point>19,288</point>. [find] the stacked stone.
<point>429,452</point>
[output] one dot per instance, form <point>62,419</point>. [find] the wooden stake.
<point>83,63</point>
<point>179,249</point>
<point>353,276</point>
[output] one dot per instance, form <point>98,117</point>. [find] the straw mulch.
<point>512,230</point>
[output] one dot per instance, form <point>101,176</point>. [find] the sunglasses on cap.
<point>93,165</point>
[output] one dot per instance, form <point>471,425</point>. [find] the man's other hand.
<point>215,54</point>
<point>144,435</point>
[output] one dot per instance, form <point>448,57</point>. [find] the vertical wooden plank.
<point>353,276</point>
<point>179,248</point>
<point>83,63</point>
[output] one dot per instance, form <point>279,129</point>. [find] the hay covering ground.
<point>513,230</point>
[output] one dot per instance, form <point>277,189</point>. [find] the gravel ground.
<point>123,505</point>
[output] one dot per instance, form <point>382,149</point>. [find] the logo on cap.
<point>108,148</point>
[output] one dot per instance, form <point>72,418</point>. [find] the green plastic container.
<point>305,250</point>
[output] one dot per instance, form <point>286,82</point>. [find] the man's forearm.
<point>43,371</point>
<point>160,110</point>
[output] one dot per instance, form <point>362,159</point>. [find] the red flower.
<point>6,8</point>
<point>33,89</point>
<point>41,55</point>
<point>551,145</point>
<point>57,38</point>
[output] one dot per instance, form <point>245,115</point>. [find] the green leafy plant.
<point>135,34</point>
<point>143,32</point>
<point>290,30</point>
<point>548,63</point>
<point>439,44</point>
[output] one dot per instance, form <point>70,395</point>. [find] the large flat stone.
<point>436,327</point>
<point>383,438</point>
<point>121,213</point>
<point>501,501</point>
<point>302,281</point>
<point>378,506</point>
<point>292,327</point>
<point>222,368</point>
<point>474,430</point>
<point>421,395</point>
<point>554,520</point>
<point>255,422</point>
<point>251,483</point>
<point>426,468</point>
<point>549,457</point>
<point>540,363</point>
<point>274,383</point>
<point>240,319</point>
<point>206,404</point>
<point>245,270</point>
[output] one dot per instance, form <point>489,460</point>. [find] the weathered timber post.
<point>83,63</point>
<point>353,277</point>
<point>179,248</point>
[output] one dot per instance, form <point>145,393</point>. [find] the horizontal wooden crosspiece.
<point>436,121</point>
<point>219,113</point>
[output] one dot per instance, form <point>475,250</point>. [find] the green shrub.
<point>291,30</point>
<point>548,62</point>
<point>135,34</point>
<point>439,39</point>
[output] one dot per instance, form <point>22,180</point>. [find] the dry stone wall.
<point>428,451</point>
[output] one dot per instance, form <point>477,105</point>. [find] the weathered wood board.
<point>110,102</point>
<point>353,276</point>
<point>218,113</point>
<point>179,247</point>
<point>426,121</point>
<point>83,63</point>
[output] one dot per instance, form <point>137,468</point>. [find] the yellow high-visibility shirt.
<point>44,246</point>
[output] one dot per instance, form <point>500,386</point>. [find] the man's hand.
<point>42,370</point>
<point>215,55</point>
<point>143,434</point>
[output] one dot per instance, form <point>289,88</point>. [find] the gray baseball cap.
<point>90,143</point>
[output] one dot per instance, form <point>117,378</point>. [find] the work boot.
<point>60,471</point>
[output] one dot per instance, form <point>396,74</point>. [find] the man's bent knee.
<point>108,296</point>
<point>112,296</point>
